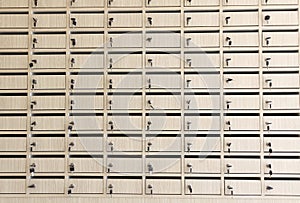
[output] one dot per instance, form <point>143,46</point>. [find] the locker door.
<point>163,81</point>
<point>203,187</point>
<point>92,82</point>
<point>87,61</point>
<point>163,186</point>
<point>162,19</point>
<point>241,60</point>
<point>163,165</point>
<point>202,60</point>
<point>241,123</point>
<point>12,186</point>
<point>13,3</point>
<point>86,123</point>
<point>281,102</point>
<point>128,81</point>
<point>193,102</point>
<point>125,40</point>
<point>282,145</point>
<point>280,2</point>
<point>125,102</point>
<point>14,41</point>
<point>44,144</point>
<point>158,102</point>
<point>86,41</point>
<point>163,61</point>
<point>87,4</point>
<point>169,40</point>
<point>8,144</point>
<point>125,61</point>
<point>49,4</point>
<point>198,123</point>
<point>281,80</point>
<point>86,20</point>
<point>240,2</point>
<point>194,40</point>
<point>48,62</point>
<point>46,82</point>
<point>78,102</point>
<point>48,102</point>
<point>125,3</point>
<point>241,102</point>
<point>240,19</point>
<point>281,123</point>
<point>17,82</point>
<point>87,165</point>
<point>202,19</point>
<point>282,166</point>
<point>128,20</point>
<point>280,187</point>
<point>85,144</point>
<point>125,123</point>
<point>85,186</point>
<point>46,186</point>
<point>13,165</point>
<point>202,81</point>
<point>242,187</point>
<point>124,165</point>
<point>13,123</point>
<point>13,61</point>
<point>49,41</point>
<point>163,144</point>
<point>202,3</point>
<point>243,81</point>
<point>249,39</point>
<point>242,166</point>
<point>164,123</point>
<point>202,144</point>
<point>202,165</point>
<point>120,186</point>
<point>279,39</point>
<point>48,165</point>
<point>162,3</point>
<point>13,102</point>
<point>279,60</point>
<point>13,21</point>
<point>271,18</point>
<point>124,144</point>
<point>54,123</point>
<point>241,144</point>
<point>49,20</point>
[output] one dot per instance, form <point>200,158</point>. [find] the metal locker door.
<point>87,4</point>
<point>240,19</point>
<point>13,21</point>
<point>279,60</point>
<point>125,143</point>
<point>193,143</point>
<point>202,81</point>
<point>85,186</point>
<point>281,123</point>
<point>12,165</point>
<point>279,39</point>
<point>282,187</point>
<point>163,144</point>
<point>281,80</point>
<point>162,3</point>
<point>241,144</point>
<point>87,20</point>
<point>162,20</point>
<point>282,144</point>
<point>163,123</point>
<point>125,102</point>
<point>48,61</point>
<point>16,82</point>
<point>13,62</point>
<point>240,2</point>
<point>49,21</point>
<point>14,4</point>
<point>202,186</point>
<point>159,102</point>
<point>167,40</point>
<point>242,166</point>
<point>241,60</point>
<point>16,123</point>
<point>204,40</point>
<point>125,81</point>
<point>117,164</point>
<point>163,186</point>
<point>271,18</point>
<point>243,187</point>
<point>199,123</point>
<point>282,166</point>
<point>44,144</point>
<point>86,41</point>
<point>79,123</point>
<point>125,61</point>
<point>280,2</point>
<point>124,3</point>
<point>14,41</point>
<point>167,81</point>
<point>202,3</point>
<point>163,61</point>
<point>124,40</point>
<point>201,19</point>
<point>202,60</point>
<point>48,41</point>
<point>124,123</point>
<point>47,82</point>
<point>86,102</point>
<point>47,165</point>
<point>128,20</point>
<point>49,4</point>
<point>46,186</point>
<point>248,39</point>
<point>193,102</point>
<point>85,144</point>
<point>281,102</point>
<point>12,186</point>
<point>250,123</point>
<point>233,102</point>
<point>13,102</point>
<point>8,144</point>
<point>202,165</point>
<point>87,61</point>
<point>80,82</point>
<point>46,123</point>
<point>241,81</point>
<point>120,186</point>
<point>162,164</point>
<point>48,102</point>
<point>86,165</point>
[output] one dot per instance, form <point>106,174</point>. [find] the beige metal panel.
<point>81,81</point>
<point>243,187</point>
<point>85,144</point>
<point>203,186</point>
<point>163,144</point>
<point>125,61</point>
<point>162,3</point>
<point>240,19</point>
<point>13,123</point>
<point>284,144</point>
<point>121,20</point>
<point>271,18</point>
<point>13,62</point>
<point>48,102</point>
<point>125,40</point>
<point>157,102</point>
<point>87,165</point>
<point>202,60</point>
<point>240,2</point>
<point>281,80</point>
<point>241,144</point>
<point>281,123</point>
<point>13,82</point>
<point>8,144</point>
<point>202,19</point>
<point>241,123</point>
<point>202,165</point>
<point>202,2</point>
<point>128,81</point>
<point>124,144</point>
<point>279,60</point>
<point>49,41</point>
<point>87,4</point>
<point>46,186</point>
<point>48,165</point>
<point>279,2</point>
<point>249,39</point>
<point>241,102</point>
<point>163,61</point>
<point>44,144</point>
<point>283,166</point>
<point>13,20</point>
<point>202,102</point>
<point>168,40</point>
<point>86,123</point>
<point>124,165</point>
<point>48,123</point>
<point>163,19</point>
<point>163,165</point>
<point>282,187</point>
<point>168,81</point>
<point>163,186</point>
<point>48,61</point>
<point>241,81</point>
<point>163,123</point>
<point>202,40</point>
<point>85,186</point>
<point>13,102</point>
<point>14,41</point>
<point>241,60</point>
<point>86,20</point>
<point>85,102</point>
<point>87,61</point>
<point>13,3</point>
<point>13,165</point>
<point>124,123</point>
<point>49,4</point>
<point>204,144</point>
<point>86,40</point>
<point>12,186</point>
<point>281,102</point>
<point>202,81</point>
<point>279,39</point>
<point>124,186</point>
<point>125,102</point>
<point>49,21</point>
<point>46,82</point>
<point>125,3</point>
<point>198,123</point>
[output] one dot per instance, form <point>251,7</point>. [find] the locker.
<point>202,60</point>
<point>158,102</point>
<point>240,2</point>
<point>281,102</point>
<point>162,3</point>
<point>193,102</point>
<point>243,187</point>
<point>279,39</point>
<point>202,165</point>
<point>163,61</point>
<point>162,19</point>
<point>125,3</point>
<point>13,165</point>
<point>86,41</point>
<point>120,186</point>
<point>13,62</point>
<point>16,82</point>
<point>49,20</point>
<point>48,102</point>
<point>205,39</point>
<point>124,40</point>
<point>13,123</point>
<point>245,165</point>
<point>241,123</point>
<point>241,60</point>
<point>279,2</point>
<point>44,144</point>
<point>46,82</point>
<point>46,123</point>
<point>202,144</point>
<point>125,102</point>
<point>12,186</point>
<point>125,61</point>
<point>280,60</point>
<point>241,144</point>
<point>199,122</point>
<point>13,3</point>
<point>13,20</point>
<point>202,187</point>
<point>49,4</point>
<point>87,61</point>
<point>170,81</point>
<point>46,186</point>
<point>163,144</point>
<point>248,39</point>
<point>202,81</point>
<point>271,18</point>
<point>87,20</point>
<point>120,123</point>
<point>14,41</point>
<point>124,144</point>
<point>163,123</point>
<point>282,145</point>
<point>48,62</point>
<point>85,144</point>
<point>163,165</point>
<point>201,19</point>
<point>282,166</point>
<point>201,2</point>
<point>124,165</point>
<point>281,80</point>
<point>86,102</point>
<point>78,123</point>
<point>48,41</point>
<point>168,40</point>
<point>87,4</point>
<point>47,165</point>
<point>240,19</point>
<point>128,20</point>
<point>282,187</point>
<point>80,82</point>
<point>285,123</point>
<point>163,186</point>
<point>86,165</point>
<point>13,102</point>
<point>8,144</point>
<point>128,81</point>
<point>85,186</point>
<point>244,81</point>
<point>241,102</point>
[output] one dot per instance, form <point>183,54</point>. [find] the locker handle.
<point>189,146</point>
<point>228,123</point>
<point>269,81</point>
<point>33,144</point>
<point>149,123</point>
<point>71,187</point>
<point>188,82</point>
<point>109,166</point>
<point>34,42</point>
<point>35,20</point>
<point>227,61</point>
<point>229,80</point>
<point>188,40</point>
<point>266,1</point>
<point>111,63</point>
<point>149,39</point>
<point>228,102</point>
<point>227,20</point>
<point>150,168</point>
<point>189,62</point>
<point>72,2</point>
<point>150,20</point>
<point>72,62</point>
<point>149,144</point>
<point>229,187</point>
<point>268,125</point>
<point>150,104</point>
<point>269,165</point>
<point>73,41</point>
<point>71,144</point>
<point>148,2</point>
<point>267,39</point>
<point>32,125</point>
<point>188,125</point>
<point>111,145</point>
<point>35,2</point>
<point>150,187</point>
<point>32,168</point>
<point>72,83</point>
<point>34,61</point>
<point>190,166</point>
<point>269,187</point>
<point>267,17</point>
<point>32,186</point>
<point>149,83</point>
<point>111,125</point>
<point>109,2</point>
<point>228,166</point>
<point>34,82</point>
<point>74,22</point>
<point>228,144</point>
<point>110,21</point>
<point>72,167</point>
<point>110,84</point>
<point>111,42</point>
<point>269,144</point>
<point>267,60</point>
<point>32,104</point>
<point>71,125</point>
<point>269,102</point>
<point>188,102</point>
<point>110,187</point>
<point>226,1</point>
<point>190,188</point>
<point>110,102</point>
<point>150,62</point>
<point>190,1</point>
<point>188,20</point>
<point>228,39</point>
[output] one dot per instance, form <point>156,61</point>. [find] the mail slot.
<point>192,143</point>
<point>46,186</point>
<point>13,123</point>
<point>10,144</point>
<point>157,102</point>
<point>120,186</point>
<point>163,144</point>
<point>14,41</point>
<point>86,102</point>
<point>79,123</point>
<point>125,122</point>
<point>86,40</point>
<point>85,165</point>
<point>13,102</point>
<point>13,186</point>
<point>163,186</point>
<point>169,40</point>
<point>202,165</point>
<point>163,19</point>
<point>196,40</point>
<point>49,21</point>
<point>44,144</point>
<point>202,186</point>
<point>248,39</point>
<point>271,18</point>
<point>13,21</point>
<point>250,123</point>
<point>124,102</point>
<point>48,41</point>
<point>85,186</point>
<point>243,187</point>
<point>82,81</point>
<point>47,165</point>
<point>86,20</point>
<point>87,61</point>
<point>48,62</point>
<point>47,102</point>
<point>163,123</point>
<point>13,62</point>
<point>124,40</point>
<point>168,81</point>
<point>128,20</point>
<point>46,123</point>
<point>13,165</point>
<point>201,19</point>
<point>199,123</point>
<point>124,165</point>
<point>85,144</point>
<point>240,19</point>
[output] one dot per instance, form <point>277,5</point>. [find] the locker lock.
<point>33,144</point>
<point>188,20</point>
<point>190,167</point>
<point>269,166</point>
<point>110,1</point>
<point>269,103</point>
<point>228,102</point>
<point>150,20</point>
<point>149,1</point>
<point>227,20</point>
<point>33,83</point>
<point>227,61</point>
<point>190,188</point>
<point>150,187</point>
<point>32,125</point>
<point>229,187</point>
<point>188,125</point>
<point>150,62</point>
<point>71,187</point>
<point>228,167</point>
<point>74,22</point>
<point>189,146</point>
<point>109,166</point>
<point>111,42</point>
<point>188,102</point>
<point>268,124</point>
<point>111,125</point>
<point>35,2</point>
<point>228,144</point>
<point>149,83</point>
<point>111,146</point>
<point>34,42</point>
<point>72,2</point>
<point>72,81</point>
<point>149,144</point>
<point>71,144</point>
<point>149,39</point>
<point>34,61</point>
<point>229,80</point>
<point>190,1</point>
<point>149,102</point>
<point>110,188</point>
<point>111,63</point>
<point>150,168</point>
<point>267,39</point>
<point>72,167</point>
<point>269,144</point>
<point>32,104</point>
<point>35,20</point>
<point>267,60</point>
<point>189,62</point>
<point>148,125</point>
<point>72,62</point>
<point>110,103</point>
<point>32,186</point>
<point>188,83</point>
<point>188,40</point>
<point>267,18</point>
<point>110,84</point>
<point>269,82</point>
<point>226,1</point>
<point>32,168</point>
<point>110,21</point>
<point>266,1</point>
<point>228,39</point>
<point>72,102</point>
<point>73,41</point>
<point>228,123</point>
<point>71,125</point>
<point>269,187</point>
